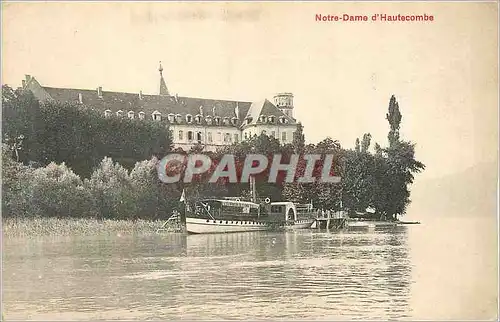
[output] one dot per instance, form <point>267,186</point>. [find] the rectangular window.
<point>283,136</point>
<point>181,135</point>
<point>219,137</point>
<point>209,137</point>
<point>236,137</point>
<point>190,135</point>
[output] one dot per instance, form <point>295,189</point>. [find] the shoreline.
<point>49,226</point>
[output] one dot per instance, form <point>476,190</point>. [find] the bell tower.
<point>284,101</point>
<point>163,85</point>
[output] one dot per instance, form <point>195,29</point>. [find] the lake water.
<point>442,269</point>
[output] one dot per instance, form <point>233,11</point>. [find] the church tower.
<point>284,101</point>
<point>163,85</point>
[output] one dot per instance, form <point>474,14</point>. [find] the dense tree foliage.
<point>76,135</point>
<point>67,160</point>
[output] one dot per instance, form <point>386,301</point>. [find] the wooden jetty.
<point>331,220</point>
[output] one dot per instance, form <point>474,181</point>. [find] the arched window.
<point>272,119</point>
<point>189,118</point>
<point>107,113</point>
<point>263,132</point>
<point>156,116</point>
<point>198,137</point>
<point>217,120</point>
<point>208,119</point>
<point>141,115</point>
<point>234,120</point>
<point>131,114</point>
<point>198,119</point>
<point>226,120</point>
<point>249,120</point>
<point>119,113</point>
<point>263,118</point>
<point>190,135</point>
<point>178,118</point>
<point>181,135</point>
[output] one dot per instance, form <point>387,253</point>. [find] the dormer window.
<point>198,119</point>
<point>249,120</point>
<point>119,113</point>
<point>217,120</point>
<point>107,113</point>
<point>178,118</point>
<point>156,116</point>
<point>189,118</point>
<point>263,118</point>
<point>142,115</point>
<point>234,120</point>
<point>131,114</point>
<point>171,117</point>
<point>272,119</point>
<point>283,120</point>
<point>208,119</point>
<point>226,120</point>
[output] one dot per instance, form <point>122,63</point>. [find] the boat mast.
<point>252,188</point>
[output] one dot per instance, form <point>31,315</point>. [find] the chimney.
<point>24,83</point>
<point>140,95</point>
<point>176,98</point>
<point>80,98</point>
<point>99,91</point>
<point>28,78</point>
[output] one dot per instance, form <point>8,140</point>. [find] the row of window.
<point>198,136</point>
<point>268,119</point>
<point>272,134</point>
<point>197,119</point>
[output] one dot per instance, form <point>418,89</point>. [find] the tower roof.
<point>163,85</point>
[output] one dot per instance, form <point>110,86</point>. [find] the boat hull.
<point>300,224</point>
<point>206,226</point>
<point>369,224</point>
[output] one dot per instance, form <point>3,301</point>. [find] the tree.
<point>394,117</point>
<point>365,144</point>
<point>299,139</point>
<point>112,191</point>
<point>399,167</point>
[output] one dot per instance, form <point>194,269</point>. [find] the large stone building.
<point>210,122</point>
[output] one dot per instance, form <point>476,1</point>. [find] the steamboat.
<point>225,215</point>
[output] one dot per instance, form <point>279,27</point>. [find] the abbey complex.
<point>193,121</point>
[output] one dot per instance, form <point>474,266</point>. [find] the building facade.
<point>210,123</point>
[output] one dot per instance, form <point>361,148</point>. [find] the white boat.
<point>226,216</point>
<point>295,216</point>
<point>230,215</point>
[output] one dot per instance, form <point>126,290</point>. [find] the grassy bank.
<point>27,227</point>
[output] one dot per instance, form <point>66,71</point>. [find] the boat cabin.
<point>227,209</point>
<point>283,210</point>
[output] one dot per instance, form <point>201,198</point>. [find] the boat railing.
<point>205,210</point>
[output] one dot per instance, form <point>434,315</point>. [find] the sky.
<point>443,73</point>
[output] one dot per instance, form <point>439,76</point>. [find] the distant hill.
<point>472,192</point>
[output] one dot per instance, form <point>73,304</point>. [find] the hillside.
<point>472,192</point>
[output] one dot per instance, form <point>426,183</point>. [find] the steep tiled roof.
<point>265,108</point>
<point>164,104</point>
<point>115,101</point>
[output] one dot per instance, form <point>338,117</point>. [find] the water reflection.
<point>256,275</point>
